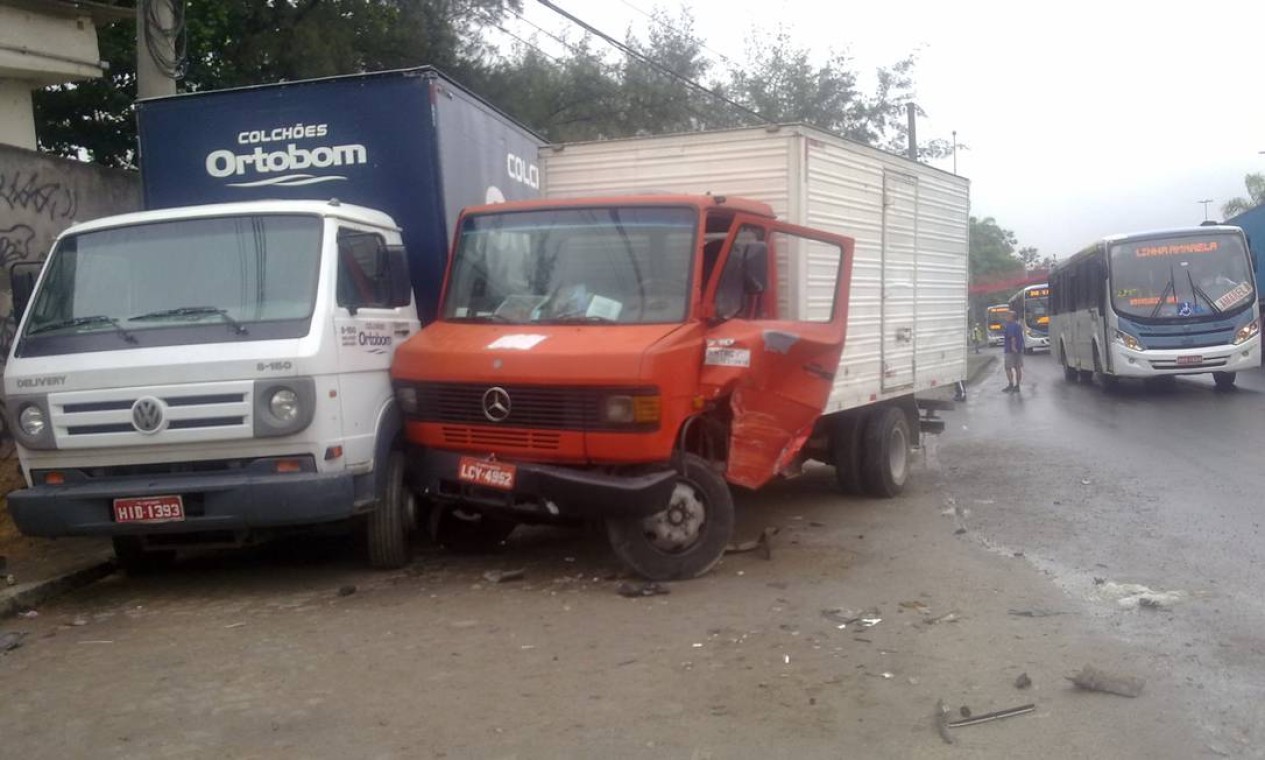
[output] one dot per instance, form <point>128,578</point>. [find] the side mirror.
<point>755,268</point>
<point>22,278</point>
<point>399,284</point>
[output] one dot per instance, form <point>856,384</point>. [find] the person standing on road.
<point>1012,348</point>
<point>977,336</point>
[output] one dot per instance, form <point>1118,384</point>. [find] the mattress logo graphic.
<point>288,165</point>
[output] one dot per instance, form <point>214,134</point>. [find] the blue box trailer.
<point>1252,222</point>
<point>411,143</point>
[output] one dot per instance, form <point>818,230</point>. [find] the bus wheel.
<point>1105,380</point>
<point>1224,380</point>
<point>1070,374</point>
<point>846,451</point>
<point>688,537</point>
<point>885,458</point>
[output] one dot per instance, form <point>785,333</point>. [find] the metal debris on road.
<point>634,590</point>
<point>988,717</point>
<point>942,721</point>
<point>11,640</point>
<point>1023,681</point>
<point>844,618</point>
<point>347,590</point>
<point>504,576</point>
<point>1093,679</point>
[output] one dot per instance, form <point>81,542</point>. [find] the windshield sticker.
<point>719,356</point>
<point>1175,249</point>
<point>604,308</point>
<point>523,342</point>
<point>1233,296</point>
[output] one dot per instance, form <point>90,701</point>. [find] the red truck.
<point>624,360</point>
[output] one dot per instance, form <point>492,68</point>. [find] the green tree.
<point>234,43</point>
<point>1255,183</point>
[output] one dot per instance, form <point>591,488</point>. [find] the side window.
<point>734,296</point>
<point>807,279</point>
<point>363,272</point>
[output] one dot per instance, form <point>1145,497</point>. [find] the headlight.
<point>284,404</point>
<point>1128,341</point>
<point>1246,332</point>
<point>32,420</point>
<point>631,410</point>
<point>406,397</point>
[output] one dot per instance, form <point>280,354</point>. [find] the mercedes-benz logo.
<point>147,415</point>
<point>496,404</point>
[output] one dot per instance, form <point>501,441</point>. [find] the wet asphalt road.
<point>1138,485</point>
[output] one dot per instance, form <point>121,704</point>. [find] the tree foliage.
<point>1255,183</point>
<point>587,92</point>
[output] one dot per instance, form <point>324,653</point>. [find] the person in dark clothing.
<point>1012,348</point>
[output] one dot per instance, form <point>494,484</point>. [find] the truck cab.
<point>621,360</point>
<point>211,374</point>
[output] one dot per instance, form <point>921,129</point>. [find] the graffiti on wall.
<point>28,192</point>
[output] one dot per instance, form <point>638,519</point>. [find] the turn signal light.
<point>646,409</point>
<point>54,479</point>
<point>333,452</point>
<point>289,465</point>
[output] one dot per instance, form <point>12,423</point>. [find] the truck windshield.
<point>218,275</point>
<point>628,265</point>
<point>1182,277</point>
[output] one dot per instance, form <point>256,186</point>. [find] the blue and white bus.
<point>1156,304</point>
<point>1031,305</point>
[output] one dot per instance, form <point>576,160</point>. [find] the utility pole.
<point>158,64</point>
<point>910,112</point>
<point>1205,202</point>
<point>955,151</point>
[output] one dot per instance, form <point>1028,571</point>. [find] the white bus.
<point>1157,304</point>
<point>1031,306</point>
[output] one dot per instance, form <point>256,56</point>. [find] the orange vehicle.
<point>621,360</point>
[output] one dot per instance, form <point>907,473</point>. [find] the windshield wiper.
<point>95,319</point>
<point>1170,287</point>
<point>578,319</point>
<point>1199,293</point>
<point>483,319</point>
<point>193,311</point>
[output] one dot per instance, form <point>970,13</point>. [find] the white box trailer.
<point>907,316</point>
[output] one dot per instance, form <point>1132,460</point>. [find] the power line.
<point>528,44</point>
<point>649,61</point>
<point>671,28</point>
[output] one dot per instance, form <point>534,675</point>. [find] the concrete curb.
<point>973,373</point>
<point>27,595</point>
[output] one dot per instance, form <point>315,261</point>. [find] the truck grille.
<point>533,407</point>
<point>195,412</point>
<point>500,438</point>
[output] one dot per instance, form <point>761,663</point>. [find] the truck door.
<point>374,314</point>
<point>900,245</point>
<point>779,305</point>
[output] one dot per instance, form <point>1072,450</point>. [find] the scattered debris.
<point>1019,554</point>
<point>786,659</point>
<point>915,605</point>
<point>11,640</point>
<point>763,544</point>
<point>844,618</point>
<point>988,717</point>
<point>959,531</point>
<point>78,622</point>
<point>948,617</point>
<point>347,590</point>
<point>964,711</point>
<point>234,625</point>
<point>1035,613</point>
<point>886,674</point>
<point>1133,595</point>
<point>1086,482</point>
<point>633,590</point>
<point>942,721</point>
<point>697,645</point>
<point>11,580</point>
<point>28,614</point>
<point>504,576</point>
<point>1023,681</point>
<point>1093,679</point>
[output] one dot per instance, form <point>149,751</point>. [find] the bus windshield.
<point>628,265</point>
<point>1181,277</point>
<point>1036,310</point>
<point>997,318</point>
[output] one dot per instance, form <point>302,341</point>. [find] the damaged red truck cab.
<point>621,360</point>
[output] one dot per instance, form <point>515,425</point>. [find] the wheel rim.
<point>680,526</point>
<point>898,455</point>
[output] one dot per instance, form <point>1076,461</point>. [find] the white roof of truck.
<point>347,211</point>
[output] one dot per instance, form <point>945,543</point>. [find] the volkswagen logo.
<point>147,415</point>
<point>496,404</point>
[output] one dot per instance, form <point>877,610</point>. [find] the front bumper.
<point>1036,341</point>
<point>1129,363</point>
<point>213,502</point>
<point>545,491</point>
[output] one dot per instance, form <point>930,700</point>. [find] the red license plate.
<point>149,509</point>
<point>1186,361</point>
<point>484,473</point>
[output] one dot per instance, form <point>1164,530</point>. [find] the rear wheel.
<point>135,559</point>
<point>688,537</point>
<point>1070,374</point>
<point>1224,380</point>
<point>393,522</point>
<point>885,465</point>
<point>846,454</point>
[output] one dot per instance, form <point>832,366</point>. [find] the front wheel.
<point>393,521</point>
<point>688,537</point>
<point>885,458</point>
<point>1224,380</point>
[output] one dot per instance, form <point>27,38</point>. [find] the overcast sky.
<point>1082,118</point>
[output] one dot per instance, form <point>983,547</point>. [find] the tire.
<point>1069,374</point>
<point>135,559</point>
<point>393,522</point>
<point>885,455</point>
<point>467,532</point>
<point>1102,378</point>
<point>660,549</point>
<point>846,451</point>
<point>1224,380</point>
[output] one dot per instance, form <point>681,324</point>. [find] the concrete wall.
<point>39,197</point>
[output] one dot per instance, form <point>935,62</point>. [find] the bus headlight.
<point>1128,341</point>
<point>1247,331</point>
